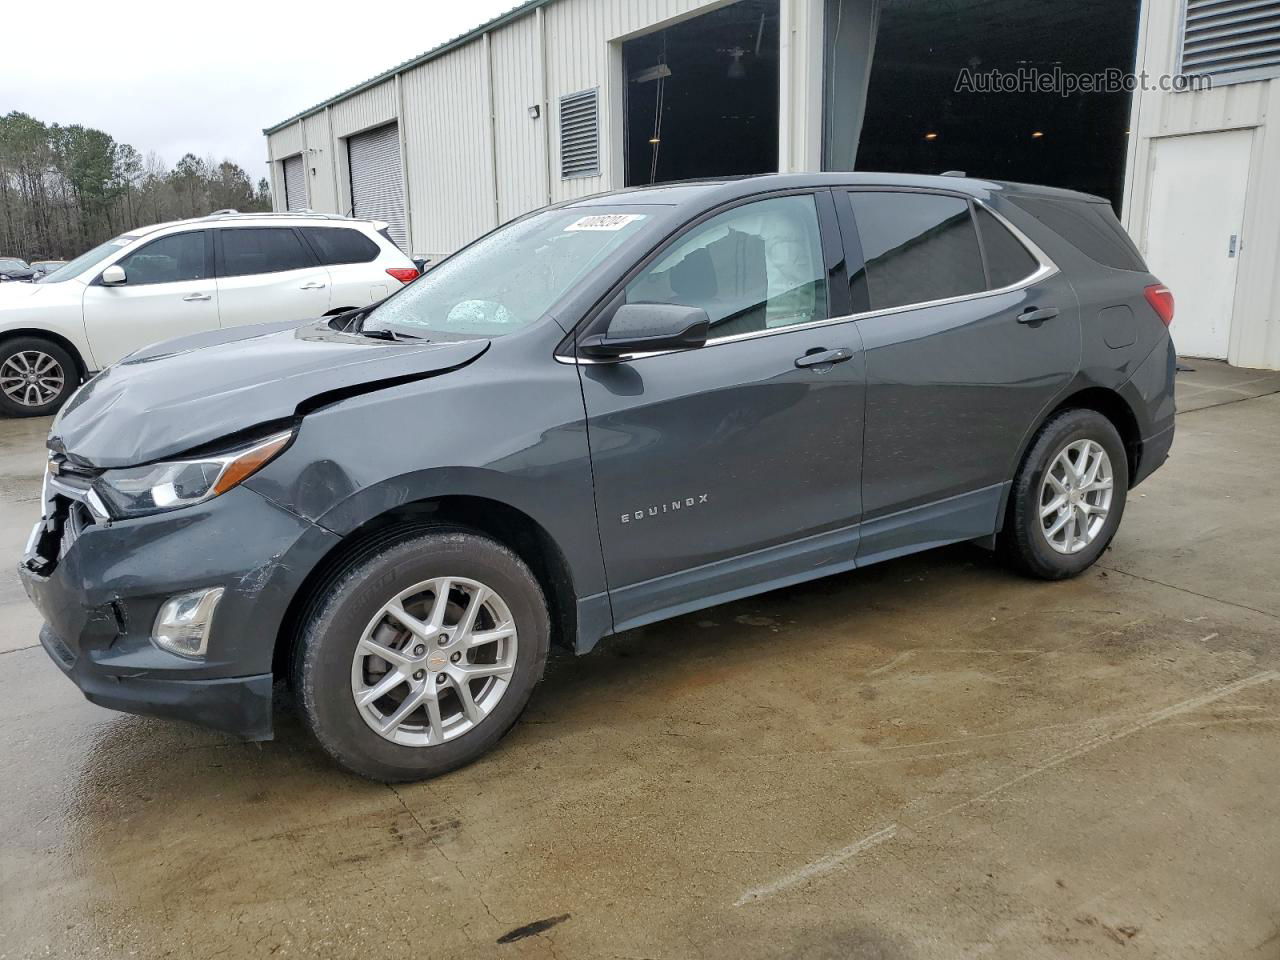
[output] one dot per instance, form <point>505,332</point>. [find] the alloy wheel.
<point>32,378</point>
<point>1075,496</point>
<point>434,661</point>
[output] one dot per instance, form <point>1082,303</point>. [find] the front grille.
<point>66,514</point>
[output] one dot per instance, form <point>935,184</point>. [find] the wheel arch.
<point>1115,408</point>
<point>82,368</point>
<point>1103,400</point>
<point>502,522</point>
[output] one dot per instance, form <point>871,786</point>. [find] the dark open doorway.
<point>702,96</point>
<point>918,120</point>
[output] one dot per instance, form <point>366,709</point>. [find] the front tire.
<point>36,377</point>
<point>1068,496</point>
<point>421,656</point>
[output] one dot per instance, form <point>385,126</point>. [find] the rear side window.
<point>917,247</point>
<point>1008,261</point>
<point>171,259</point>
<point>341,245</point>
<point>251,250</point>
<point>1089,227</point>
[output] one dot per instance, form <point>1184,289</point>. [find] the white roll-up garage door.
<point>295,184</point>
<point>377,186</point>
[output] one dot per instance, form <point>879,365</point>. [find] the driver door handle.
<point>193,297</point>
<point>313,285</point>
<point>821,358</point>
<point>1033,315</point>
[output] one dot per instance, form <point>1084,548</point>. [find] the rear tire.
<point>36,377</point>
<point>336,663</point>
<point>1068,496</point>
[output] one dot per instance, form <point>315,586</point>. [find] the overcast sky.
<point>178,77</point>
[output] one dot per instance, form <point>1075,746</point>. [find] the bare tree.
<point>64,189</point>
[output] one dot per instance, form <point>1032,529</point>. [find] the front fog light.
<point>182,625</point>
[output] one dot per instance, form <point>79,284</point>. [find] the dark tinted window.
<point>249,250</point>
<point>752,268</point>
<point>1089,227</point>
<point>170,259</point>
<point>1008,261</point>
<point>917,247</point>
<point>341,244</point>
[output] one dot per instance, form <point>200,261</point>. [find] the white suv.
<point>172,279</point>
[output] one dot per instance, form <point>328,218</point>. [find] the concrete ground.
<point>930,758</point>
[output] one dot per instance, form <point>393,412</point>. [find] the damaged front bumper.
<point>100,584</point>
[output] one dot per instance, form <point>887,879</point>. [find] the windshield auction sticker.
<point>604,221</point>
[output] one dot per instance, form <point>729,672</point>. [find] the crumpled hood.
<point>180,394</point>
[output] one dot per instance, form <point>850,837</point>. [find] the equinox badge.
<point>668,507</point>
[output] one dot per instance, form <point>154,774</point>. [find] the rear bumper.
<point>1150,394</point>
<point>1155,451</point>
<point>237,705</point>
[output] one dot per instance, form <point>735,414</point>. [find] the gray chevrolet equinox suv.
<point>609,412</point>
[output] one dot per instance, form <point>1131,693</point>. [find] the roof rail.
<point>304,214</point>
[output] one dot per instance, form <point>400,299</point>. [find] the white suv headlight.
<point>160,487</point>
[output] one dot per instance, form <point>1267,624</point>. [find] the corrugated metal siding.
<point>377,184</point>
<point>319,158</point>
<point>1255,333</point>
<point>446,142</point>
<point>295,184</point>
<point>579,54</point>
<point>520,141</point>
<point>284,142</point>
<point>369,108</point>
<point>466,170</point>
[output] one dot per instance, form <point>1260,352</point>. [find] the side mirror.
<point>113,276</point>
<point>648,328</point>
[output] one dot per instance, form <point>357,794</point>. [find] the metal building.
<point>562,98</point>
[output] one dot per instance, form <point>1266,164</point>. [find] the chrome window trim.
<point>1047,268</point>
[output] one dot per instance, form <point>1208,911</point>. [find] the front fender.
<point>517,440</point>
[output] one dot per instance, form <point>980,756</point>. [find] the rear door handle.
<point>1036,315</point>
<point>193,297</point>
<point>820,358</point>
<point>312,286</point>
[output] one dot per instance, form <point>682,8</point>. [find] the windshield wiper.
<point>383,334</point>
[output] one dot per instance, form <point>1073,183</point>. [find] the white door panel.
<point>168,291</point>
<point>120,320</point>
<point>267,297</point>
<point>266,274</point>
<point>1197,203</point>
<point>351,286</point>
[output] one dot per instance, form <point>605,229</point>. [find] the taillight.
<point>403,274</point>
<point>1161,300</point>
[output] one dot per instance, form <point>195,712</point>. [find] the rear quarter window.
<point>336,245</point>
<point>917,248</point>
<point>1008,261</point>
<point>1089,227</point>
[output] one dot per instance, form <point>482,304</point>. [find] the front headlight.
<point>159,487</point>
